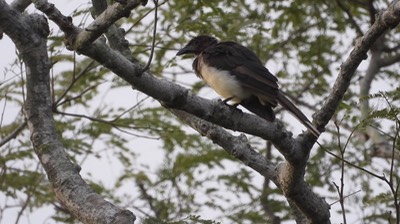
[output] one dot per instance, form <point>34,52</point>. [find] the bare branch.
<point>390,60</point>
<point>350,17</point>
<point>154,36</point>
<point>13,134</point>
<point>103,21</point>
<point>95,29</point>
<point>115,35</point>
<point>83,72</point>
<point>340,189</point>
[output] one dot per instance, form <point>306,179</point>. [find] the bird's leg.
<point>225,101</point>
<point>232,106</point>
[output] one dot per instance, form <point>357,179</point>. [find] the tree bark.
<point>29,33</point>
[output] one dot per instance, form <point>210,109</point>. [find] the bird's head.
<point>197,45</point>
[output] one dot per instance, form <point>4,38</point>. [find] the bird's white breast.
<point>223,83</point>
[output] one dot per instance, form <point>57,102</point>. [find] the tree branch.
<point>20,5</point>
<point>385,21</point>
<point>153,42</point>
<point>350,17</point>
<point>104,21</point>
<point>29,33</point>
<point>114,35</point>
<point>95,29</point>
<point>13,134</point>
<point>390,60</point>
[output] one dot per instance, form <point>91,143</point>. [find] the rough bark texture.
<point>29,34</point>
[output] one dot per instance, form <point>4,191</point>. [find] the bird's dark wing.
<point>247,68</point>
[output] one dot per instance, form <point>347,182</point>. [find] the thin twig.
<point>340,189</point>
<point>4,109</point>
<point>350,163</point>
<point>390,182</point>
<point>142,17</point>
<point>148,198</point>
<point>79,95</point>
<point>74,79</point>
<point>350,17</point>
<point>13,134</point>
<point>118,127</point>
<point>30,192</point>
<point>344,196</point>
<point>154,37</point>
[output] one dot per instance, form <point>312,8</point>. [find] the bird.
<point>238,75</point>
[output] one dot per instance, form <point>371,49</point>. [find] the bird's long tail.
<point>285,103</point>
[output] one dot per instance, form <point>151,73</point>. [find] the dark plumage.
<point>238,75</point>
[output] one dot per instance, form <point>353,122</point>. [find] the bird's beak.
<point>186,50</point>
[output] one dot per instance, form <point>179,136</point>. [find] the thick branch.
<point>300,195</point>
<point>20,5</point>
<point>29,33</point>
<point>115,36</point>
<point>174,96</point>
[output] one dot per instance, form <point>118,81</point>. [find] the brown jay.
<point>238,75</point>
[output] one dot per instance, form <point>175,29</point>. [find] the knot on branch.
<point>41,141</point>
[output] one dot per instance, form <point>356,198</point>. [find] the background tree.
<point>68,105</point>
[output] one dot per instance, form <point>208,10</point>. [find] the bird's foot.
<point>225,101</point>
<point>233,107</point>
